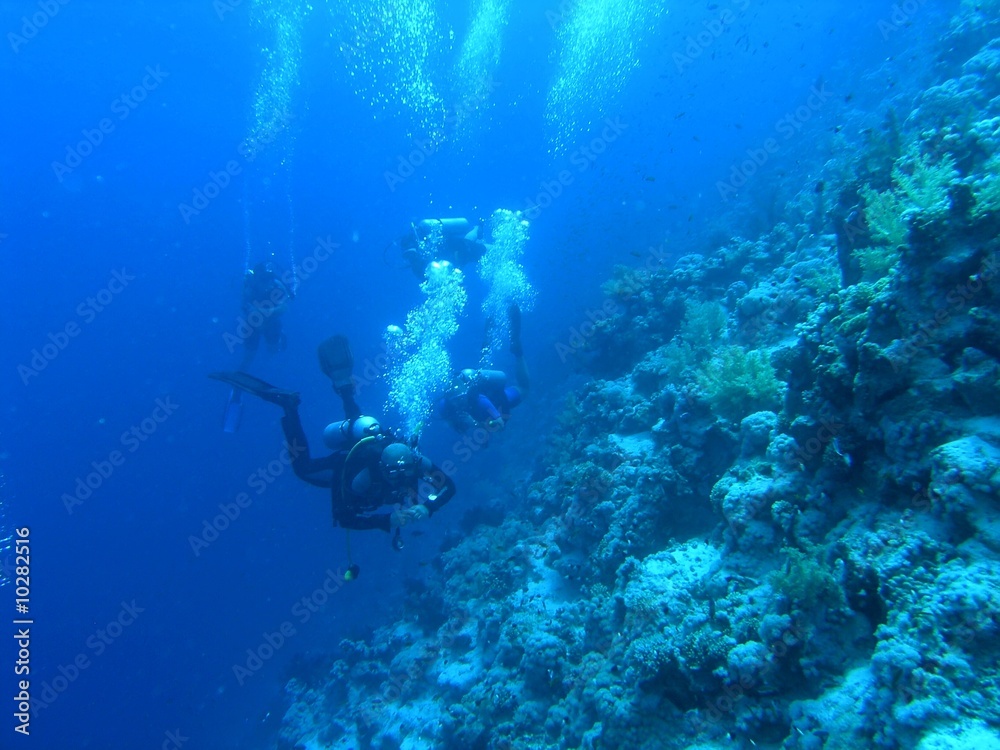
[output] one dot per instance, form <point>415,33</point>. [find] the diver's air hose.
<point>343,490</point>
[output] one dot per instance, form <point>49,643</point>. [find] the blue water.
<point>171,670</point>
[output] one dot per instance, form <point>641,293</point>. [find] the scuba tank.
<point>343,435</point>
<point>449,227</point>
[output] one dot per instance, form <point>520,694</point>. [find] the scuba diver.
<point>265,300</point>
<point>369,468</point>
<point>462,244</point>
<point>482,398</point>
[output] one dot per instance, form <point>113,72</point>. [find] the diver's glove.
<point>495,425</point>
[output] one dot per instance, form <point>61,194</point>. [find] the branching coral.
<point>704,323</point>
<point>738,382</point>
<point>918,185</point>
<point>987,191</point>
<point>884,214</point>
<point>806,583</point>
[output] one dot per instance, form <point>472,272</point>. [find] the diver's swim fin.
<point>234,411</point>
<point>256,386</point>
<point>336,360</point>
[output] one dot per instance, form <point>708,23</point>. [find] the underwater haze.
<point>680,323</point>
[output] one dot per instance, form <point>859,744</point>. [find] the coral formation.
<point>770,517</point>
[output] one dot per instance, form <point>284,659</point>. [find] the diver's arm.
<point>486,409</point>
<point>444,487</point>
<point>453,411</point>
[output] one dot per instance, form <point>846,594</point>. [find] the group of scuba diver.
<point>377,477</point>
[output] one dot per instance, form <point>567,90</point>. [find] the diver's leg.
<point>250,346</point>
<point>521,374</point>
<point>351,408</point>
<point>273,334</point>
<point>321,472</point>
<point>337,362</point>
<point>521,368</point>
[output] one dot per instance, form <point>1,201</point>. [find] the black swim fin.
<point>336,360</point>
<point>259,388</point>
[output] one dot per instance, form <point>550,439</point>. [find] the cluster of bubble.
<point>390,48</point>
<point>282,23</point>
<point>599,46</point>
<point>421,366</point>
<point>501,269</point>
<point>479,57</point>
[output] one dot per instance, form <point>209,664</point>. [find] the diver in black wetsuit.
<point>369,468</point>
<point>265,300</point>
